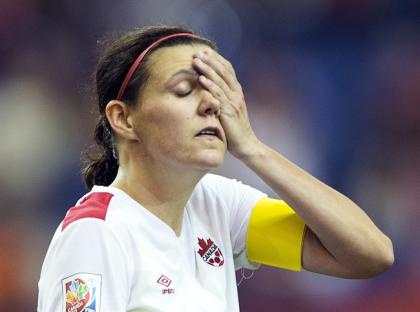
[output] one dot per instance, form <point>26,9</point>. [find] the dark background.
<point>334,85</point>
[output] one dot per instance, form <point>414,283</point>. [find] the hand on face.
<point>218,77</point>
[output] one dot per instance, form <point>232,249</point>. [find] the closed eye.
<point>183,83</point>
<point>185,87</point>
<point>183,93</point>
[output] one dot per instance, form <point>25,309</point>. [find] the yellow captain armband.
<point>275,235</point>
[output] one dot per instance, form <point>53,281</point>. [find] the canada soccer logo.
<point>210,253</point>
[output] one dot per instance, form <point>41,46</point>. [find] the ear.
<point>118,114</point>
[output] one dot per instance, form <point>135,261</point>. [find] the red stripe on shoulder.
<point>94,205</point>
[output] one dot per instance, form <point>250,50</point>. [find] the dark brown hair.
<point>101,167</point>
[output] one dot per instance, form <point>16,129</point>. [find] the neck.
<point>162,191</point>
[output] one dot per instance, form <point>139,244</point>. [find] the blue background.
<point>334,85</point>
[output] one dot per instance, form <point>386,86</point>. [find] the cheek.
<point>166,111</point>
<point>166,127</point>
<point>170,123</point>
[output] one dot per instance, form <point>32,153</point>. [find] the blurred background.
<point>334,85</point>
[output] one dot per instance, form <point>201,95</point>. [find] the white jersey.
<point>110,254</point>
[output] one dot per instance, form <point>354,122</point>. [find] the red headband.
<point>141,56</point>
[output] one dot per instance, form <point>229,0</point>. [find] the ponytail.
<point>101,168</point>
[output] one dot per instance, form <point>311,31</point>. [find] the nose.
<point>209,105</point>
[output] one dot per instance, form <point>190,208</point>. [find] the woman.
<point>157,232</point>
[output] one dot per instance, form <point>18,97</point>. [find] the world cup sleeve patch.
<point>82,292</point>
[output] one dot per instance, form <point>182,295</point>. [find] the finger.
<point>222,60</point>
<point>234,83</point>
<point>221,67</point>
<point>212,75</point>
<point>213,88</point>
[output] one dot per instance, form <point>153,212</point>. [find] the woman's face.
<point>176,120</point>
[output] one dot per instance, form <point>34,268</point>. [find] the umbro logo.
<point>165,281</point>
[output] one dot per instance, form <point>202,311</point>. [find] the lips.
<point>210,131</point>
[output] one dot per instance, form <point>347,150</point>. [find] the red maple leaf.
<point>204,246</point>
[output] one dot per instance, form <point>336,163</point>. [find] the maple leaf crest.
<point>204,246</point>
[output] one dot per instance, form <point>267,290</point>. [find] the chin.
<point>210,161</point>
<point>210,165</point>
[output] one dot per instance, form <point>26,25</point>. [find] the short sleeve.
<point>238,200</point>
<point>86,266</point>
<point>244,200</point>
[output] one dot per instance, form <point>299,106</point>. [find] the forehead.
<point>165,62</point>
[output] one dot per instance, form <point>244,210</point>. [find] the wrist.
<point>251,150</point>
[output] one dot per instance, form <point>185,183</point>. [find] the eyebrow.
<point>189,72</point>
